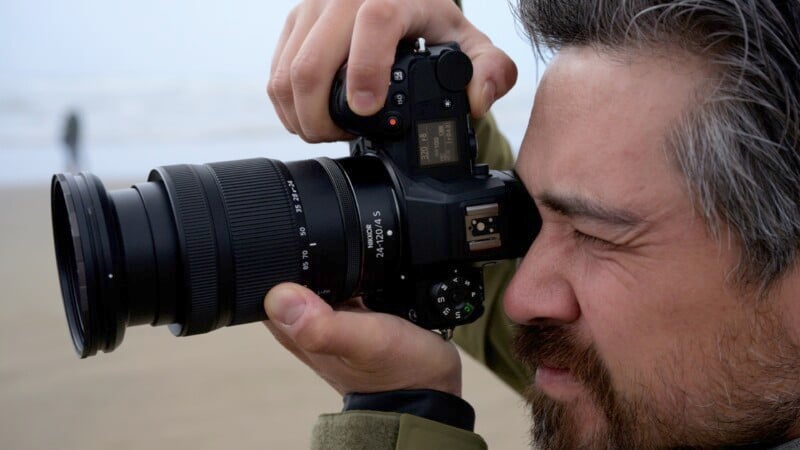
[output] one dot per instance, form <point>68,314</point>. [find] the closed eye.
<point>593,240</point>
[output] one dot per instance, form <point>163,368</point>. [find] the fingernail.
<point>286,306</point>
<point>488,95</point>
<point>362,101</point>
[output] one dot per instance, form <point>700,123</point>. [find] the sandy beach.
<point>232,388</point>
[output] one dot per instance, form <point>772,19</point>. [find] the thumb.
<point>314,327</point>
<point>286,303</point>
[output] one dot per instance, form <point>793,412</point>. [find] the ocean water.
<point>187,86</point>
<point>129,127</point>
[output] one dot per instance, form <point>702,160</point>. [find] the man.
<point>660,304</point>
<point>72,139</point>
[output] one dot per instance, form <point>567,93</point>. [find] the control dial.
<point>457,298</point>
<point>454,70</point>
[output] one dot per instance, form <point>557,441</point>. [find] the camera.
<point>407,222</point>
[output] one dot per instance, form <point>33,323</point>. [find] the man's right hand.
<point>320,35</point>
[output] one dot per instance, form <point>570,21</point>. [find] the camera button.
<point>454,70</point>
<point>399,99</point>
<point>393,122</point>
<point>398,76</point>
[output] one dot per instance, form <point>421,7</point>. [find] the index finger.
<point>379,26</point>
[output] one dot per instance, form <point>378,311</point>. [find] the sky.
<point>167,81</point>
<point>142,38</point>
<point>172,38</point>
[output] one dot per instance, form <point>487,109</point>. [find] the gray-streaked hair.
<point>739,149</point>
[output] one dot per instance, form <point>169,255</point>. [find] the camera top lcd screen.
<point>437,143</point>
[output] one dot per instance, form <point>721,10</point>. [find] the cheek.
<point>650,317</point>
<point>616,322</point>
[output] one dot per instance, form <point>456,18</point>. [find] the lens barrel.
<point>198,246</point>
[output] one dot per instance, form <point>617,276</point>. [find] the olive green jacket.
<point>488,340</point>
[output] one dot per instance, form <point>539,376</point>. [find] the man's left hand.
<point>356,350</point>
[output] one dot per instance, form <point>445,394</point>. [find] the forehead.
<point>599,125</point>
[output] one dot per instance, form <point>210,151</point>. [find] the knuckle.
<point>314,135</point>
<point>299,132</point>
<point>271,91</point>
<point>314,339</point>
<point>294,12</point>
<point>279,87</point>
<point>319,128</point>
<point>379,12</point>
<point>314,128</point>
<point>376,354</point>
<point>383,345</point>
<point>331,134</point>
<point>305,75</point>
<point>364,73</point>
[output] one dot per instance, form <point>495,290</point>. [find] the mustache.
<point>558,346</point>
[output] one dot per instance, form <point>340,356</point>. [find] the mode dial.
<point>457,298</point>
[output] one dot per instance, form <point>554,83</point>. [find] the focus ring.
<point>349,210</point>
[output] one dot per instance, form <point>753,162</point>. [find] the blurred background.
<point>156,82</point>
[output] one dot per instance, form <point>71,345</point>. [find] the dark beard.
<point>630,424</point>
<point>553,426</point>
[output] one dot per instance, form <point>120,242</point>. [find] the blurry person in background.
<point>71,138</point>
<point>659,306</point>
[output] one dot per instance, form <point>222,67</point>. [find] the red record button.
<point>393,122</point>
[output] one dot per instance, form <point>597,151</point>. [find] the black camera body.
<point>424,125</point>
<point>408,222</point>
<point>459,216</point>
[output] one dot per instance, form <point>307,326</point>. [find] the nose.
<point>540,291</point>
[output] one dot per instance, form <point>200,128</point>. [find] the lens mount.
<point>88,262</point>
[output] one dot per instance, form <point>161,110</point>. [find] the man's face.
<point>637,334</point>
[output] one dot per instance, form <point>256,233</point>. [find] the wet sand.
<point>233,388</point>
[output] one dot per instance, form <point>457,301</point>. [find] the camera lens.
<point>198,246</point>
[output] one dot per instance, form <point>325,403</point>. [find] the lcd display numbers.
<point>436,143</point>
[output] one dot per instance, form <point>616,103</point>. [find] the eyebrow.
<point>572,206</point>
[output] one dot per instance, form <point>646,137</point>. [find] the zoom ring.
<point>264,236</point>
<point>238,240</point>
